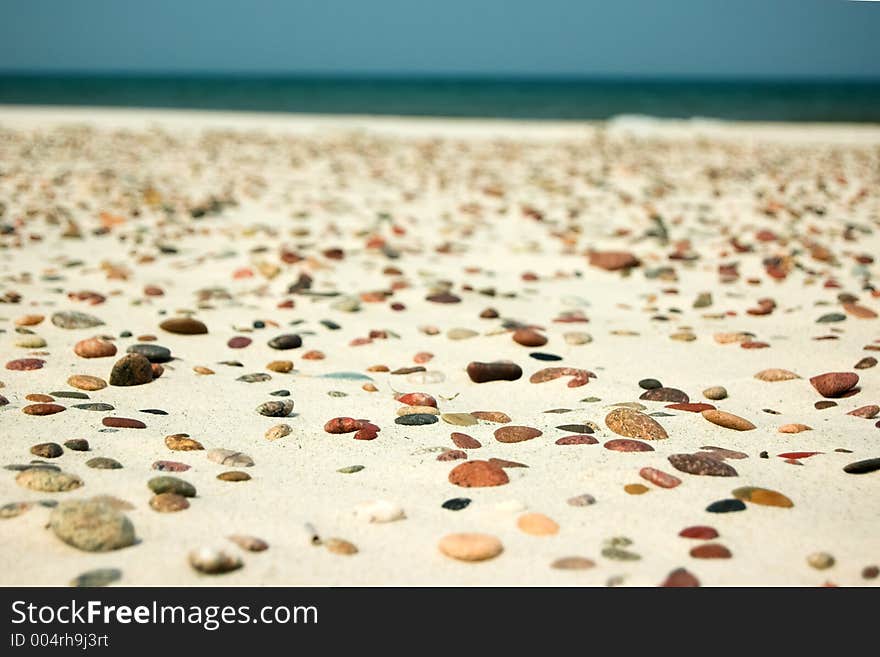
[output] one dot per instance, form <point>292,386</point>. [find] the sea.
<point>446,96</point>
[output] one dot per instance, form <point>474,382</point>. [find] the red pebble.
<point>342,425</point>
<point>123,423</point>
<point>798,455</point>
<point>25,364</point>
<point>417,399</point>
<point>710,551</point>
<point>680,578</point>
<point>238,342</point>
<point>627,445</point>
<point>701,532</point>
<point>693,407</point>
<point>579,439</point>
<point>422,357</point>
<point>464,441</point>
<point>452,455</point>
<point>659,478</point>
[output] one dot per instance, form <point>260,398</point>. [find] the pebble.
<point>94,348</point>
<point>470,546</point>
<point>794,428</point>
<point>96,578</point>
<point>47,450</point>
<point>636,489</point>
<point>834,384</point>
<point>537,524</point>
<point>659,478</point>
<point>492,416</point>
<point>680,578</point>
<point>103,463</point>
<point>350,469</point>
<point>650,384</point>
<point>276,408</point>
<point>281,366</point>
<point>92,526</point>
<point>665,395</point>
<point>238,342</point>
<point>213,561</point>
<point>48,481</point>
<point>95,406</point>
<point>152,352</point>
<point>477,474</point>
<point>863,467</point>
<point>529,338</point>
<point>249,543</point>
<point>184,326</point>
<point>30,342</point>
<point>71,319</point>
<point>627,445</point>
<point>286,341</point>
<point>619,554</point>
<point>25,364</point>
<point>820,560</point>
<point>416,419</point>
<point>632,424</point>
<point>169,484</point>
<point>700,532</point>
<point>868,412</point>
<point>495,371</point>
<point>697,464</point>
<point>456,503</point>
<point>581,500</point>
<point>464,441</point>
<point>77,444</point>
<point>131,370</point>
<point>123,423</point>
<point>613,260</point>
<point>579,439</point>
<point>726,506</point>
<point>230,457</point>
<point>340,546</point>
<point>278,431</point>
<point>69,394</point>
<point>865,363</point>
<point>715,393</point>
<point>728,420</point>
<point>85,382</point>
<point>379,511</point>
<point>168,502</point>
<point>256,377</point>
<point>234,475</point>
<point>516,434</point>
<point>170,466</point>
<point>775,374</point>
<point>576,338</point>
<point>459,419</point>
<point>43,409</point>
<point>573,563</point>
<point>460,334</point>
<point>181,442</point>
<point>710,551</point>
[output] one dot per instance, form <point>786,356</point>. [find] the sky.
<point>642,38</point>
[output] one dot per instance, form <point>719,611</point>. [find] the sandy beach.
<point>691,308</point>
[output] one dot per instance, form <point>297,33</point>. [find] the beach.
<point>629,269</point>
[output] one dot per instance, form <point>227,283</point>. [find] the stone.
<point>659,478</point>
<point>238,342</point>
<point>152,352</point>
<point>131,370</point>
<point>863,467</point>
<point>184,326</point>
<point>680,578</point>
<point>710,551</point>
<point>168,503</point>
<point>578,439</point>
<point>379,511</point>
<point>715,393</point>
<point>170,466</point>
<point>286,341</point>
<point>278,431</point>
<point>613,260</point>
<point>477,474</point>
<point>30,342</point>
<point>456,503</point>
<point>577,338</point>
<point>573,563</point>
<point>85,382</point>
<point>25,364</point>
<point>281,366</point>
<point>276,408</point>
<point>632,424</point>
<point>470,546</point>
<point>691,407</point>
<point>537,524</point>
<point>249,543</point>
<point>697,464</point>
<point>650,384</point>
<point>464,441</point>
<point>820,560</point>
<point>636,489</point>
<point>71,319</point>
<point>94,348</point>
<point>96,578</point>
<point>234,475</point>
<point>104,463</point>
<point>230,457</point>
<point>77,444</point>
<point>212,561</point>
<point>340,546</point>
<point>516,434</point>
<point>865,363</point>
<point>492,416</point>
<point>794,428</point>
<point>92,526</point>
<point>495,371</point>
<point>123,423</point>
<point>416,419</point>
<point>700,532</point>
<point>459,419</point>
<point>665,395</point>
<point>728,420</point>
<point>834,384</point>
<point>726,506</point>
<point>48,481</point>
<point>47,450</point>
<point>42,409</point>
<point>169,484</point>
<point>529,337</point>
<point>256,377</point>
<point>627,445</point>
<point>774,375</point>
<point>181,442</point>
<point>868,412</point>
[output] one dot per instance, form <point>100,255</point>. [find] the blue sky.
<point>739,38</point>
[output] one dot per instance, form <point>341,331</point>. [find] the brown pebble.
<point>794,428</point>
<point>710,551</point>
<point>168,502</point>
<point>464,441</point>
<point>85,382</point>
<point>233,475</point>
<point>249,543</point>
<point>834,384</point>
<point>340,546</point>
<point>492,416</point>
<point>25,364</point>
<point>699,464</point>
<point>529,338</point>
<point>199,369</point>
<point>659,478</point>
<point>452,455</point>
<point>728,420</point>
<point>632,424</point>
<point>282,366</point>
<point>537,524</point>
<point>47,450</point>
<point>478,474</point>
<point>123,423</point>
<point>94,348</point>
<point>183,326</point>
<point>43,409</point>
<point>681,578</point>
<point>470,547</point>
<point>495,371</point>
<point>627,445</point>
<point>573,563</point>
<point>181,442</point>
<point>636,489</point>
<point>36,397</point>
<point>516,434</point>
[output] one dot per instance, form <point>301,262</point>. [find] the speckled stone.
<point>92,526</point>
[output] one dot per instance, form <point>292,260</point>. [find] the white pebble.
<point>379,511</point>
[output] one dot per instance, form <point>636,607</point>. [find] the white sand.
<point>342,171</point>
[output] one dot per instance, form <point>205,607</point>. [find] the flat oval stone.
<point>379,511</point>
<point>85,382</point>
<point>581,500</point>
<point>276,408</point>
<point>700,532</point>
<point>715,393</point>
<point>170,466</point>
<point>464,441</point>
<point>212,561</point>
<point>281,366</point>
<point>632,424</point>
<point>794,428</point>
<point>627,445</point>
<point>25,364</point>
<point>537,524</point>
<point>287,341</point>
<point>697,464</point>
<point>579,439</point>
<point>470,546</point>
<point>69,394</point>
<point>492,416</point>
<point>516,434</point>
<point>104,463</point>
<point>478,474</point>
<point>775,374</point>
<point>865,363</point>
<point>543,356</point>
<point>96,578</point>
<point>728,420</point>
<point>48,481</point>
<point>230,457</point>
<point>154,353</point>
<point>529,337</point>
<point>47,450</point>
<point>834,384</point>
<point>416,419</point>
<point>250,543</point>
<point>238,342</point>
<point>680,578</point>
<point>184,326</point>
<point>650,384</point>
<point>168,503</point>
<point>710,551</point>
<point>95,406</point>
<point>234,475</point>
<point>92,526</point>
<point>495,371</point>
<point>131,370</point>
<point>868,412</point>
<point>459,419</point>
<point>665,395</point>
<point>71,319</point>
<point>256,377</point>
<point>77,444</point>
<point>43,409</point>
<point>726,506</point>
<point>573,563</point>
<point>168,484</point>
<point>862,467</point>
<point>123,423</point>
<point>94,348</point>
<point>659,478</point>
<point>578,428</point>
<point>762,496</point>
<point>456,503</point>
<point>181,442</point>
<point>691,407</point>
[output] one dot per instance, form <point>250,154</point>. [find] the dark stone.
<point>650,384</point>
<point>863,467</point>
<point>726,506</point>
<point>416,419</point>
<point>152,352</point>
<point>456,503</point>
<point>287,341</point>
<point>96,406</point>
<point>538,355</point>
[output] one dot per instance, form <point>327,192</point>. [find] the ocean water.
<point>463,97</point>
